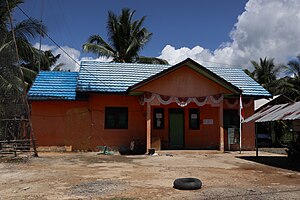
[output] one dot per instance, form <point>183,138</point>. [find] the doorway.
<point>176,128</point>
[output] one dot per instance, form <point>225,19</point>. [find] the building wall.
<point>117,137</point>
<point>184,82</point>
<point>81,124</point>
<point>60,123</point>
<point>206,137</point>
<point>248,129</point>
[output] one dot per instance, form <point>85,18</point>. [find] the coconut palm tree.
<point>294,79</point>
<point>294,67</point>
<point>265,73</point>
<point>25,31</point>
<point>30,59</point>
<point>126,38</point>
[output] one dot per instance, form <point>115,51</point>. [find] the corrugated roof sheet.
<point>117,77</point>
<point>288,111</point>
<point>103,77</point>
<point>50,85</point>
<point>114,77</point>
<point>240,79</point>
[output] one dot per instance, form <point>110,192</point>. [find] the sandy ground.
<point>92,176</point>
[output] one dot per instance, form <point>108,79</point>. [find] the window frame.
<point>157,111</point>
<point>117,113</point>
<point>197,112</point>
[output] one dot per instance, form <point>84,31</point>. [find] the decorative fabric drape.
<point>200,101</point>
<point>231,103</point>
<point>148,97</point>
<point>165,100</point>
<point>216,99</point>
<point>182,102</point>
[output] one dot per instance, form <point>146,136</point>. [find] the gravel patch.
<point>96,188</point>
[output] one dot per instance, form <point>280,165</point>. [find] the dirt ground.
<point>92,176</point>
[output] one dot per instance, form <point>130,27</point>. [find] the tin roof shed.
<point>288,111</point>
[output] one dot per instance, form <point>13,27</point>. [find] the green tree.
<point>126,38</point>
<point>31,60</point>
<point>265,73</point>
<point>23,31</point>
<point>294,79</point>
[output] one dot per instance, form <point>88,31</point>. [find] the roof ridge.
<point>117,63</point>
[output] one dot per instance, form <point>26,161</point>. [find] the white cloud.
<point>264,29</point>
<point>69,64</point>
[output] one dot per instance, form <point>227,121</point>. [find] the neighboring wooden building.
<point>185,106</point>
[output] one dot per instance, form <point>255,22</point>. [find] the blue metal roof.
<point>118,77</point>
<point>114,77</point>
<point>103,77</point>
<point>50,85</point>
<point>240,79</point>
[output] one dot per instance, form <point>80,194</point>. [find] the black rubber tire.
<point>187,184</point>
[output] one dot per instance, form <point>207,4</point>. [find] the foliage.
<point>31,60</point>
<point>126,38</point>
<point>266,73</point>
<point>294,79</point>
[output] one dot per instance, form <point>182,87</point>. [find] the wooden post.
<point>221,127</point>
<point>148,126</point>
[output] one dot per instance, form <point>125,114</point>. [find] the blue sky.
<point>231,32</point>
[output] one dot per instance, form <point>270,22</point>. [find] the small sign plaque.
<point>208,121</point>
<point>193,116</point>
<point>158,115</point>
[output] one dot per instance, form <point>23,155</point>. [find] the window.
<point>194,121</point>
<point>116,117</point>
<point>158,118</point>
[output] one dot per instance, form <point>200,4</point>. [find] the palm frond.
<point>294,67</point>
<point>98,49</point>
<point>25,50</point>
<point>29,75</point>
<point>4,14</point>
<point>29,29</point>
<point>151,60</point>
<point>58,67</point>
<point>97,39</point>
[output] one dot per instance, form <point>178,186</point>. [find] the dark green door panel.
<point>176,122</point>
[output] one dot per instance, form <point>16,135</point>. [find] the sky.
<point>211,32</point>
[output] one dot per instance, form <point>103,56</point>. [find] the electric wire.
<point>49,37</point>
<point>111,71</point>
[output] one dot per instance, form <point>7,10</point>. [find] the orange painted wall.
<point>117,137</point>
<point>59,123</point>
<point>206,137</point>
<point>81,124</point>
<point>184,82</point>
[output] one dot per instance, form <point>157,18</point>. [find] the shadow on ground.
<point>274,161</point>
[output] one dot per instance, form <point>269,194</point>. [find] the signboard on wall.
<point>208,121</point>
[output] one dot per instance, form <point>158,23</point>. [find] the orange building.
<point>185,106</point>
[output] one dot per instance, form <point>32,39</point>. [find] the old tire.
<point>187,184</point>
